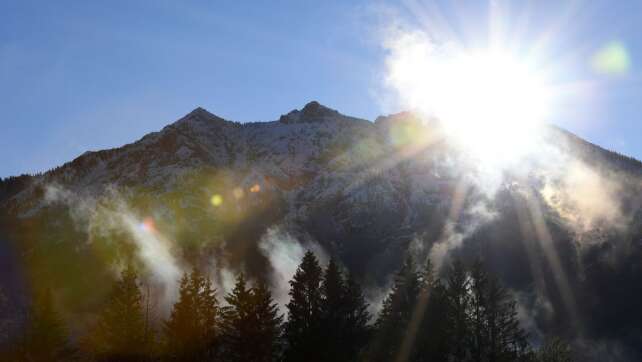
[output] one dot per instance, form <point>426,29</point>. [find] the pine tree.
<point>344,316</point>
<point>267,326</point>
<point>191,332</point>
<point>554,350</point>
<point>458,297</point>
<point>121,330</point>
<point>333,310</point>
<point>396,313</point>
<point>45,338</point>
<point>478,313</point>
<point>237,322</point>
<point>506,340</point>
<point>356,331</point>
<point>210,317</point>
<point>251,324</point>
<point>302,330</point>
<point>432,338</point>
<point>181,334</point>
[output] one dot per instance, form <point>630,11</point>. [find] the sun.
<point>491,103</point>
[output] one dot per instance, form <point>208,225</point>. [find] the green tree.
<point>458,298</point>
<point>45,337</point>
<point>268,325</point>
<point>505,339</point>
<point>554,350</point>
<point>333,311</point>
<point>251,324</point>
<point>355,329</point>
<point>397,311</point>
<point>192,330</point>
<point>302,330</point>
<point>121,333</point>
<point>432,342</point>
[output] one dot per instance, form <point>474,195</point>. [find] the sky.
<point>82,75</point>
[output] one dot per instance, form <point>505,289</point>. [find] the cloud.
<point>584,198</point>
<point>110,213</point>
<point>285,252</point>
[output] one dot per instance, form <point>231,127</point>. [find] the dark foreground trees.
<point>328,317</point>
<point>121,333</point>
<point>464,315</point>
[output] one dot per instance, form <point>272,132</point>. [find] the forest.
<point>465,314</point>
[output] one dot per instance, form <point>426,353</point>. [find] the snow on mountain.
<point>209,190</point>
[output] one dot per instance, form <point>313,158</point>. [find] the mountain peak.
<point>200,113</point>
<point>199,116</point>
<point>311,112</point>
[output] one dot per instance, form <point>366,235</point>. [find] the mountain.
<point>561,227</point>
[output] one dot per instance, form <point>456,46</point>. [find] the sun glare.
<point>490,103</point>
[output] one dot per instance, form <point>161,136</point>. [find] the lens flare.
<point>216,200</point>
<point>490,102</point>
<point>612,59</point>
<point>148,225</point>
<point>238,193</point>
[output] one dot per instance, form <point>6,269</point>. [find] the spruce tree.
<point>251,324</point>
<point>554,350</point>
<point>333,312</point>
<point>356,331</point>
<point>267,326</point>
<point>45,338</point>
<point>120,334</point>
<point>302,330</point>
<point>237,322</point>
<point>478,313</point>
<point>191,331</point>
<point>506,340</point>
<point>432,338</point>
<point>458,295</point>
<point>396,313</point>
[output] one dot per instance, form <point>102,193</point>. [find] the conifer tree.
<point>251,327</point>
<point>302,330</point>
<point>356,330</point>
<point>333,312</point>
<point>120,334</point>
<point>191,331</point>
<point>554,350</point>
<point>45,338</point>
<point>478,313</point>
<point>181,332</point>
<point>432,338</point>
<point>505,339</point>
<point>396,312</point>
<point>458,296</point>
<point>237,322</point>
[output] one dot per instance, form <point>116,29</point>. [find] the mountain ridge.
<point>229,196</point>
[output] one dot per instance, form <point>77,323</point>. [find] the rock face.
<point>364,191</point>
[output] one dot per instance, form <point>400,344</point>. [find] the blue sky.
<point>84,75</point>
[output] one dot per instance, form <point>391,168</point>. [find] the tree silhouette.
<point>121,331</point>
<point>251,324</point>
<point>191,332</point>
<point>432,342</point>
<point>458,297</point>
<point>396,312</point>
<point>554,350</point>
<point>355,329</point>
<point>45,337</point>
<point>333,311</point>
<point>302,330</point>
<point>268,324</point>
